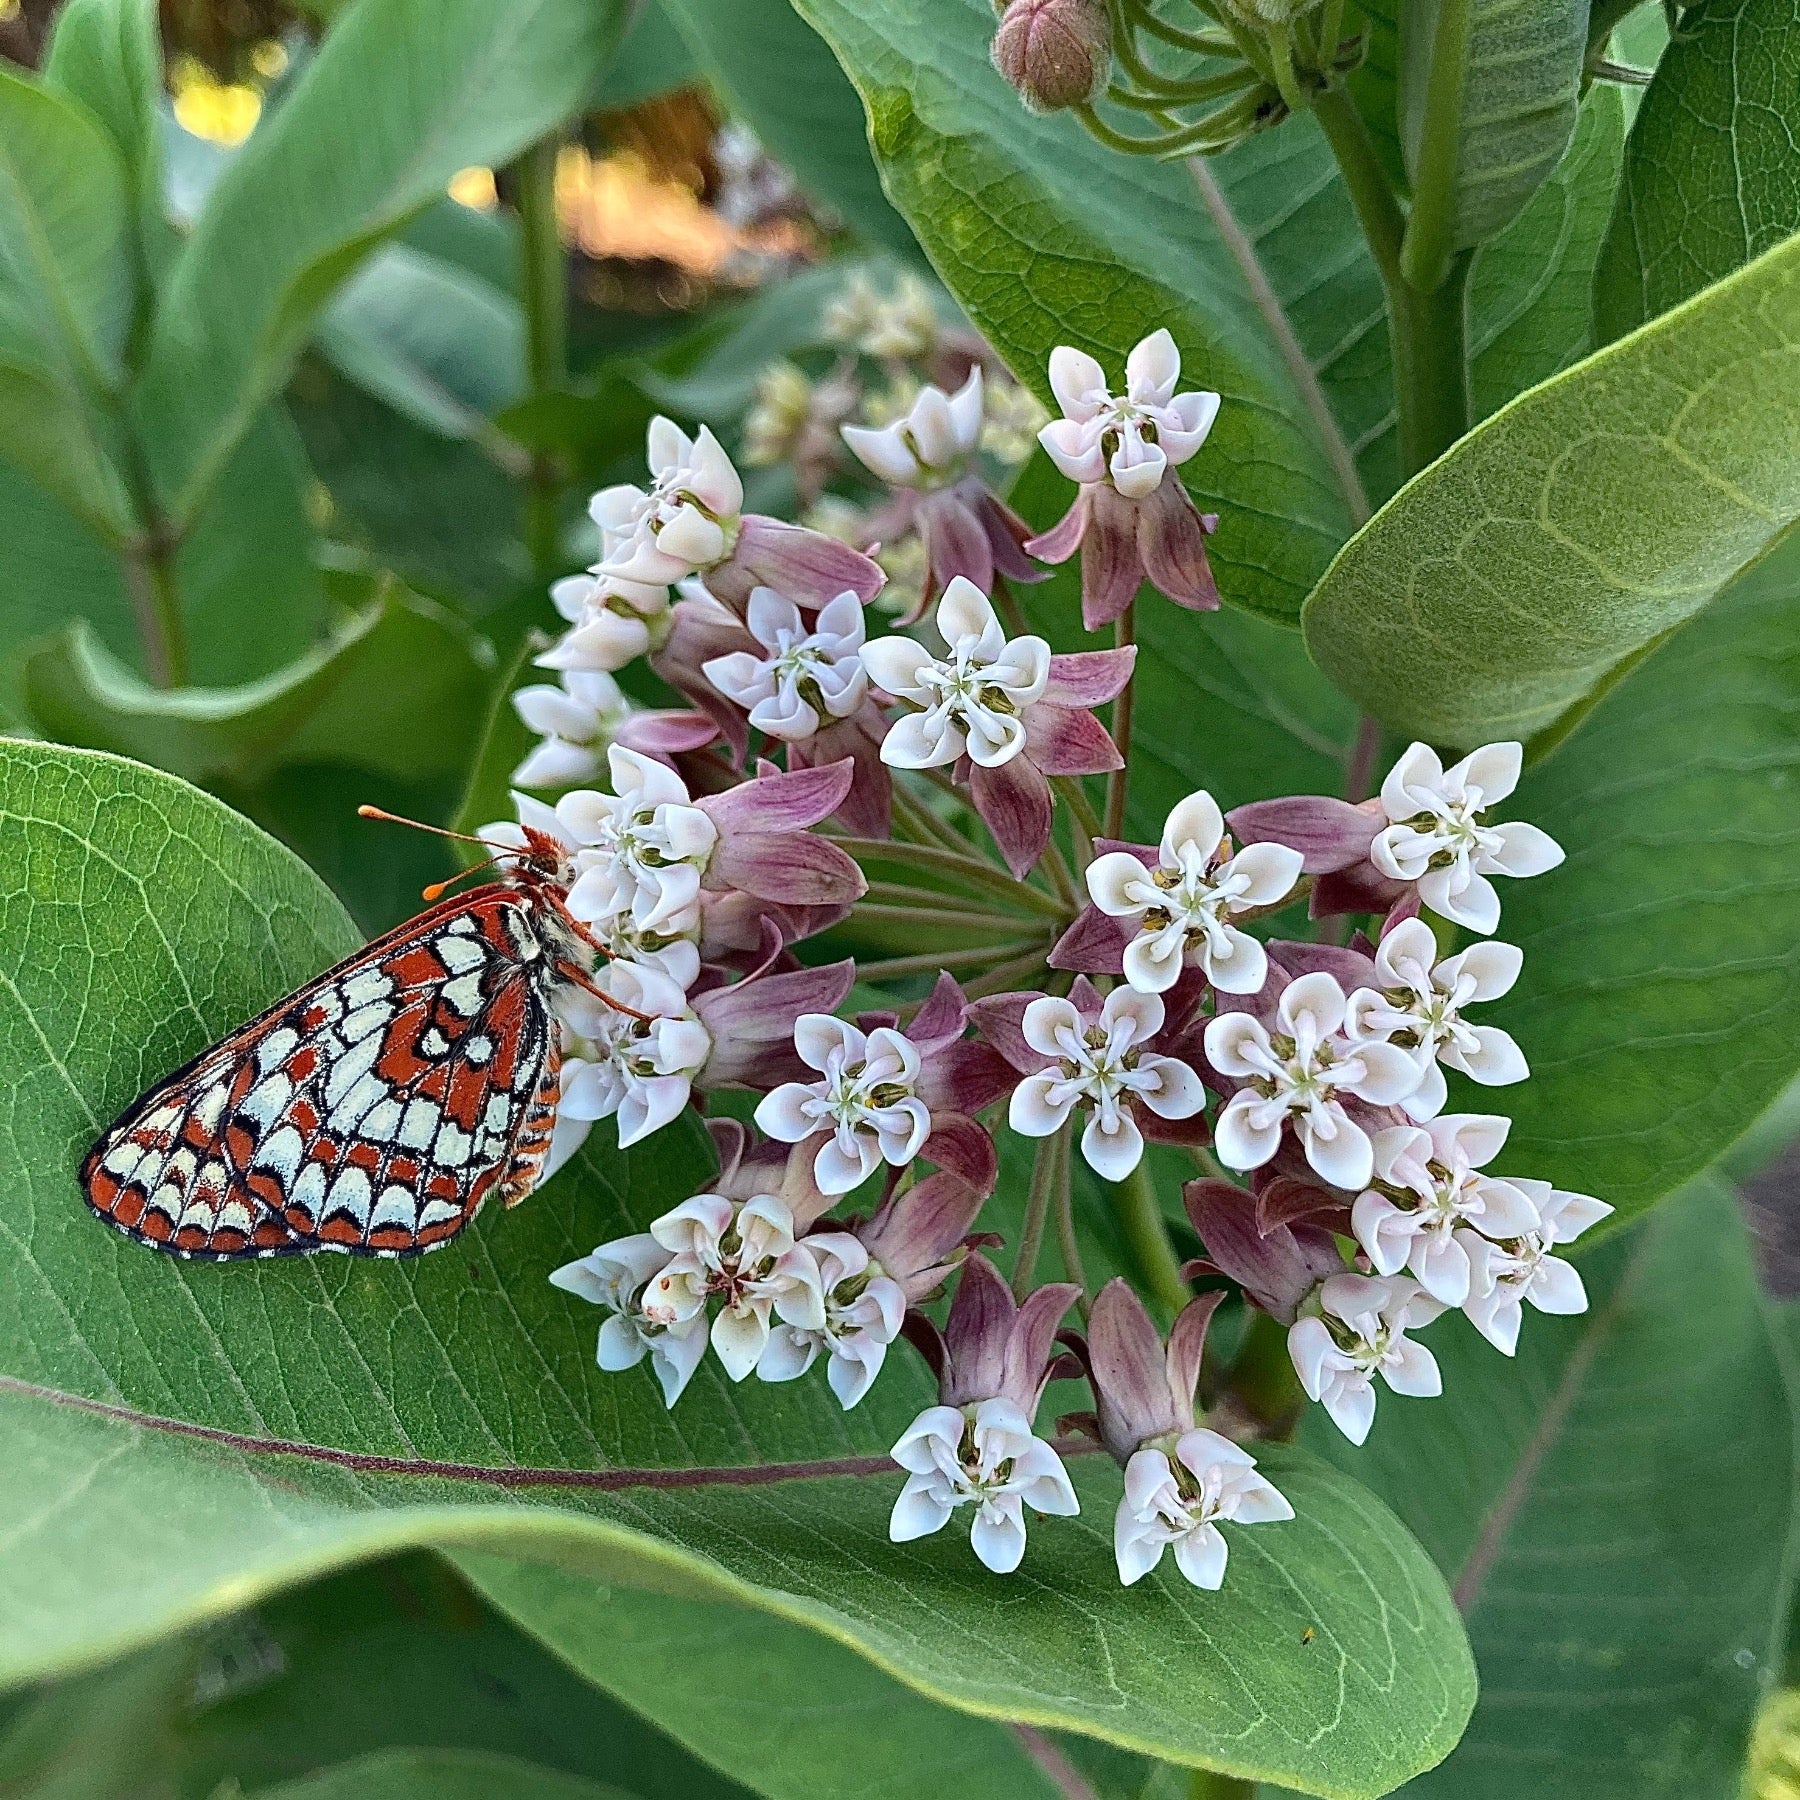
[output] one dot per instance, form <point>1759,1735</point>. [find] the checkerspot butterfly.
<point>375,1109</point>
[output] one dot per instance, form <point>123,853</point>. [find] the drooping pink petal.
<point>999,1017</point>
<point>955,542</point>
<point>913,1234</point>
<point>976,1333</point>
<point>792,867</point>
<point>1172,542</point>
<point>1286,1199</point>
<point>1068,740</point>
<point>1089,677</point>
<point>1361,889</point>
<point>752,1024</point>
<point>777,802</point>
<point>1030,1341</point>
<point>966,1077</point>
<point>1094,942</point>
<point>867,811</point>
<point>1277,1271</point>
<point>963,1148</point>
<point>1014,803</point>
<point>1330,834</point>
<point>1063,538</point>
<point>667,734</point>
<point>810,568</point>
<point>1129,1369</point>
<point>1007,535</point>
<point>941,1019</point>
<point>1350,968</point>
<point>1187,1346</point>
<point>1112,566</point>
<point>1193,1132</point>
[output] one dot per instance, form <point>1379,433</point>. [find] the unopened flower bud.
<point>1056,53</point>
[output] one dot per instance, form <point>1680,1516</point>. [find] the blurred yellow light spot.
<point>270,59</point>
<point>615,206</point>
<point>221,112</point>
<point>9,10</point>
<point>474,188</point>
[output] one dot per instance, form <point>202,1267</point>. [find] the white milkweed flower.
<point>744,1255</point>
<point>614,1275</point>
<point>1179,1502</point>
<point>864,1308</point>
<point>986,1456</point>
<point>1432,1194</point>
<point>809,674</point>
<point>1419,1005</point>
<point>577,720</point>
<point>643,848</point>
<point>931,444</point>
<point>1359,1332</point>
<point>865,1100</point>
<point>1136,438</point>
<point>1503,1276</point>
<point>1183,907</point>
<point>1299,1070</point>
<point>688,518</point>
<point>611,623</point>
<point>1100,1063</point>
<point>969,701</point>
<point>639,1070</point>
<point>1437,832</point>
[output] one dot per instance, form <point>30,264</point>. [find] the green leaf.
<point>681,1664</point>
<point>64,293</point>
<point>1531,292</point>
<point>654,59</point>
<point>441,346</point>
<point>1615,1507</point>
<point>401,95</point>
<point>438,1775</point>
<point>1047,238</point>
<point>394,690</point>
<point>774,73</point>
<point>138,920</point>
<point>1661,968</point>
<point>1711,179</point>
<point>1594,513</point>
<point>1488,91</point>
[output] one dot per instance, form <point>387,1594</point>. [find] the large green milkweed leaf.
<point>1594,513</point>
<point>1047,238</point>
<point>1488,91</point>
<point>1661,967</point>
<point>439,1775</point>
<point>402,94</point>
<point>1616,1510</point>
<point>140,919</point>
<point>64,291</point>
<point>1711,178</point>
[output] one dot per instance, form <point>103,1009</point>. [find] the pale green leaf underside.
<point>1615,1507</point>
<point>139,920</point>
<point>439,1775</point>
<point>1591,515</point>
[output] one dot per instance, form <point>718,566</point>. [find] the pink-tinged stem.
<point>1124,634</point>
<point>1037,1209</point>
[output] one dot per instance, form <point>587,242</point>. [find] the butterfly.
<point>376,1108</point>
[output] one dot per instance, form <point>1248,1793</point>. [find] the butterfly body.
<point>371,1112</point>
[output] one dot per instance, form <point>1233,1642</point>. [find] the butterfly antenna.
<point>438,889</point>
<point>461,837</point>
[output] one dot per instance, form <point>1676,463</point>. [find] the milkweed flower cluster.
<point>1116,993</point>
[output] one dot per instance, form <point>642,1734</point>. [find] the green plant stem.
<point>953,865</point>
<point>930,961</point>
<point>943,917</point>
<point>1262,1379</point>
<point>1134,1201</point>
<point>899,893</point>
<point>921,824</point>
<point>1037,1209</point>
<point>1065,1227</point>
<point>1188,93</point>
<point>1429,329</point>
<point>1202,43</point>
<point>1431,364</point>
<point>1006,975</point>
<point>1062,878</point>
<point>1430,242</point>
<point>1359,759</point>
<point>1087,821</point>
<point>149,569</point>
<point>544,285</point>
<point>1124,635</point>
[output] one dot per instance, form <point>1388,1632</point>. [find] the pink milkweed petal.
<point>1014,803</point>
